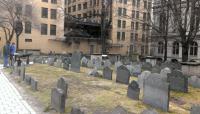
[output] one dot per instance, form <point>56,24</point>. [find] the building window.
<point>125,1</point>
<point>124,24</point>
<point>137,14</point>
<point>28,10</point>
<point>145,4</point>
<point>144,16</point>
<point>175,48</point>
<point>118,36</point>
<point>69,1</point>
<point>79,6</point>
<point>74,8</point>
<point>28,27</point>
<point>123,36</point>
<point>160,47</point>
<point>85,5</point>
<point>44,12</point>
<point>69,9</point>
<point>136,37</point>
<point>44,28</point>
<point>138,3</point>
<point>119,24</point>
<point>54,1</point>
<point>52,29</point>
<point>19,9</point>
<point>133,2</point>
<point>53,13</point>
<point>193,49</point>
<point>28,40</point>
<point>44,0</point>
<point>132,25</point>
<point>132,38</point>
<point>119,11</point>
<point>124,11</point>
<point>137,26</point>
<point>133,14</point>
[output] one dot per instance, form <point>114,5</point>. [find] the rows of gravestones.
<point>20,71</point>
<point>155,81</point>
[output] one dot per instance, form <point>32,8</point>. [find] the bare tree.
<point>186,18</point>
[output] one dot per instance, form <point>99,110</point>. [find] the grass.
<point>91,93</point>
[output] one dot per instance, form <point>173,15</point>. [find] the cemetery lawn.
<point>92,93</point>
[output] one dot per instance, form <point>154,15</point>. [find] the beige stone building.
<point>63,26</point>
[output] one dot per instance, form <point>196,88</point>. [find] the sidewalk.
<point>11,101</point>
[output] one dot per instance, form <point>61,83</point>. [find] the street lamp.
<point>18,31</point>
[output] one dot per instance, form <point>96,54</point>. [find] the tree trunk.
<point>185,50</point>
<point>165,48</point>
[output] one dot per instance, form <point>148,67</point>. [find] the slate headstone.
<point>156,69</point>
<point>137,69</point>
<point>171,65</point>
<point>194,81</point>
<point>84,61</point>
<point>118,64</point>
<point>58,100</point>
<point>62,84</point>
<point>156,92</point>
<point>97,63</point>
<point>142,77</point>
<point>58,63</point>
<point>51,61</point>
<point>90,64</point>
<point>178,81</point>
<point>28,79</point>
<point>164,73</point>
<point>123,75</point>
<point>75,62</point>
<point>107,63</point>
<point>133,90</point>
<point>107,73</point>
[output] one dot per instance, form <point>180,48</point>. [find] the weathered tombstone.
<point>28,79</point>
<point>164,73</point>
<point>90,64</point>
<point>156,69</point>
<point>76,110</point>
<point>58,63</point>
<point>16,70</point>
<point>107,63</point>
<point>194,81</point>
<point>130,68</point>
<point>146,66</point>
<point>142,77</point>
<point>58,99</point>
<point>66,62</point>
<point>195,109</point>
<point>34,84</point>
<point>133,90</point>
<point>97,63</point>
<point>62,84</point>
<point>51,61</point>
<point>156,92</point>
<point>75,62</point>
<point>171,65</point>
<point>107,73</point>
<point>84,61</point>
<point>178,81</point>
<point>149,111</point>
<point>119,110</point>
<point>123,75</point>
<point>94,73</point>
<point>118,64</point>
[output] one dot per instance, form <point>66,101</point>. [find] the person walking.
<point>12,52</point>
<point>6,53</point>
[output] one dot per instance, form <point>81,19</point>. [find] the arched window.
<point>175,48</point>
<point>193,48</point>
<point>160,47</point>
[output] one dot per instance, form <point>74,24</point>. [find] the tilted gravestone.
<point>177,81</point>
<point>156,92</point>
<point>34,84</point>
<point>62,84</point>
<point>194,81</point>
<point>164,73</point>
<point>156,69</point>
<point>58,100</point>
<point>28,79</point>
<point>195,109</point>
<point>146,66</point>
<point>142,77</point>
<point>84,61</point>
<point>107,73</point>
<point>133,90</point>
<point>75,62</point>
<point>123,75</point>
<point>76,110</point>
<point>149,111</point>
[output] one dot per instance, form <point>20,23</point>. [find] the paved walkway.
<point>11,101</point>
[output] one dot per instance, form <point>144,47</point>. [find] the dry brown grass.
<point>92,93</point>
